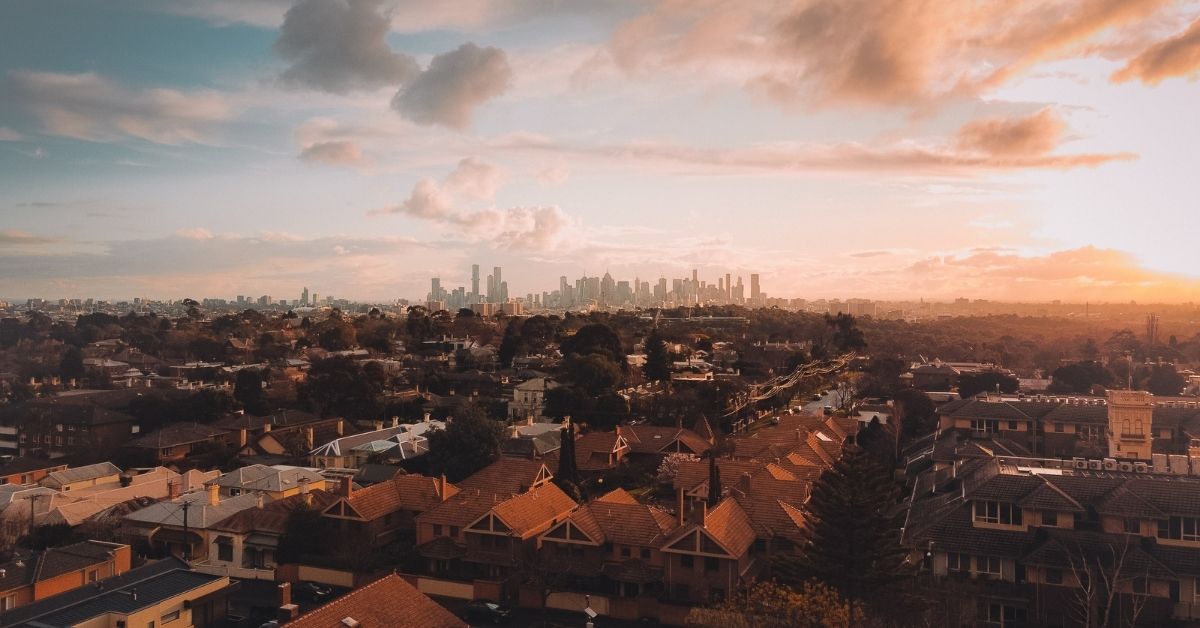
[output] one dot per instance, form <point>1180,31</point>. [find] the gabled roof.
<point>491,485</point>
<point>275,479</point>
<point>409,492</point>
<point>201,514</point>
<point>532,512</point>
<point>619,518</point>
<point>389,601</point>
<point>53,562</point>
<point>58,479</point>
<point>177,434</point>
<point>727,525</point>
<point>653,439</point>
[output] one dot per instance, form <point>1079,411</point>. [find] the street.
<point>534,618</point>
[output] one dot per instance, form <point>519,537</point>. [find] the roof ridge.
<point>1046,482</point>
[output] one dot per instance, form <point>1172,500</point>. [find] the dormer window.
<point>1180,529</point>
<point>1003,513</point>
<point>1049,518</point>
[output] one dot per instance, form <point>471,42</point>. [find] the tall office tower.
<point>739,292</point>
<point>435,289</point>
<point>728,288</point>
<point>474,281</point>
<point>755,293</point>
<point>315,300</point>
<point>491,289</point>
<point>499,282</point>
<point>660,290</point>
<point>608,289</point>
<point>304,297</point>
<point>503,291</point>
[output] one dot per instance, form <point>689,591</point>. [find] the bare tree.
<point>1101,571</point>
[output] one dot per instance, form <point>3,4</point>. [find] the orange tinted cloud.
<point>1036,134</point>
<point>1177,56</point>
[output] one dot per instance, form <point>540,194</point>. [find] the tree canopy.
<point>469,443</point>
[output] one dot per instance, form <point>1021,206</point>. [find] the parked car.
<point>312,591</point>
<point>485,610</point>
<point>828,410</point>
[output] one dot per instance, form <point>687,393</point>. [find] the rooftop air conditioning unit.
<point>1126,467</point>
<point>1080,463</point>
<point>1141,467</point>
<point>1094,465</point>
<point>1110,464</point>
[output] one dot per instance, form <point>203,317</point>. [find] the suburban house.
<point>156,594</point>
<point>181,526</point>
<point>709,555</point>
<point>274,482</point>
<point>397,442</point>
<point>77,478</point>
<point>27,470</point>
<point>281,433</point>
<point>177,441</point>
<point>376,514</point>
<point>37,576</point>
<point>529,399</point>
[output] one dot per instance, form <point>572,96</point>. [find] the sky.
<point>893,149</point>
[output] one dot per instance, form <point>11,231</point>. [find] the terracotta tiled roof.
<point>729,526</point>
<point>493,484</point>
<point>532,512</point>
<point>596,451</point>
<point>652,439</point>
<point>389,601</point>
<point>412,492</point>
<point>618,518</point>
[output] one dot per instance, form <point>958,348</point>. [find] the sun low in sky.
<point>1021,150</point>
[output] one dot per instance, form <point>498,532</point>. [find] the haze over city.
<point>1014,151</point>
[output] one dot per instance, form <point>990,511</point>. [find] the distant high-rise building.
<point>499,281</point>
<point>755,292</point>
<point>475,281</point>
<point>304,297</point>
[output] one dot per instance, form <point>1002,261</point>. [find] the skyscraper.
<point>755,292</point>
<point>474,281</point>
<point>304,297</point>
<point>498,296</point>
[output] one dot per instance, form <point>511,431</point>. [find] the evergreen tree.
<point>469,443</point>
<point>714,481</point>
<point>658,363</point>
<point>248,390</point>
<point>71,364</point>
<point>853,531</point>
<point>510,344</point>
<point>567,475</point>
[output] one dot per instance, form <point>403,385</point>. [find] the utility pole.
<point>32,500</point>
<point>187,544</point>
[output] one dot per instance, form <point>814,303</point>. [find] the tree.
<point>340,386</point>
<point>669,467</point>
<point>510,345</point>
<point>1165,381</point>
<point>658,361</point>
<point>537,332</point>
<point>567,475</point>
<point>70,366</point>
<point>1081,377</point>
<point>596,338</point>
<point>771,605</point>
<point>248,390</point>
<point>335,334</point>
<point>1101,571</point>
<point>971,384</point>
<point>847,337</point>
<point>469,443</point>
<point>853,531</point>
<point>917,412</point>
<point>593,373</point>
<point>303,535</point>
<point>714,480</point>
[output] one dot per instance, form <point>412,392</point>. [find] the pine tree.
<point>510,344</point>
<point>658,363</point>
<point>852,532</point>
<point>714,481</point>
<point>567,476</point>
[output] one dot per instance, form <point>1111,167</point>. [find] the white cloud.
<point>90,107</point>
<point>9,135</point>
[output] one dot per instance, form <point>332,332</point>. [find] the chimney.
<point>341,427</point>
<point>285,593</point>
<point>744,482</point>
<point>242,437</point>
<point>174,489</point>
<point>305,493</point>
<point>442,487</point>
<point>266,427</point>
<point>347,486</point>
<point>309,437</point>
<point>426,417</point>
<point>214,494</point>
<point>287,609</point>
<point>395,421</point>
<point>679,505</point>
<point>378,425</point>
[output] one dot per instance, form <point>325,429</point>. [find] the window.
<point>437,529</point>
<point>454,531</point>
<point>1012,426</point>
<point>988,565</point>
<point>983,427</point>
<point>1140,586</point>
<point>1133,526</point>
<point>1054,576</point>
<point>1179,529</point>
<point>645,554</point>
<point>957,562</point>
<point>625,551</point>
<point>711,565</point>
<point>1049,518</point>
<point>225,552</point>
<point>997,512</point>
<point>1060,428</point>
<point>170,617</point>
<point>687,561</point>
<point>8,602</point>
<point>234,492</point>
<point>93,575</point>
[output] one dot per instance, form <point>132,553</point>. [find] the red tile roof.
<point>386,603</point>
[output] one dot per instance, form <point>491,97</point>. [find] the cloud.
<point>1036,134</point>
<point>454,85</point>
<point>17,237</point>
<point>516,229</point>
<point>9,135</point>
<point>340,46</point>
<point>90,107</point>
<point>338,153</point>
<point>1176,56</point>
<point>195,233</point>
<point>475,179</point>
<point>823,53</point>
<point>555,174</point>
<point>908,157</point>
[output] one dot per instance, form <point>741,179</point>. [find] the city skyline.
<point>859,149</point>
